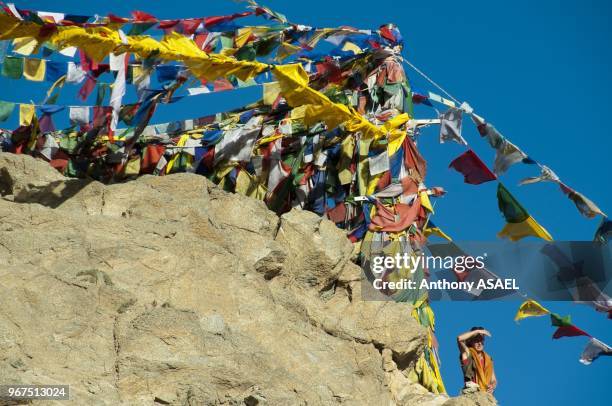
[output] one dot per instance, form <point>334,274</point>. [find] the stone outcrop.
<point>168,290</point>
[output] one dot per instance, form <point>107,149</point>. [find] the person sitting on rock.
<point>477,365</point>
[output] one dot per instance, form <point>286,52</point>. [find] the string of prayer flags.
<point>519,224</point>
<point>508,154</point>
<point>141,20</point>
<point>334,133</point>
<point>594,348</point>
<point>584,205</point>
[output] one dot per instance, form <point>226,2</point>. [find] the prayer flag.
<point>6,109</point>
<point>569,331</point>
<point>584,205</point>
<point>450,126</point>
<point>79,115</point>
<point>507,155</point>
<point>12,67</point>
<point>593,350</point>
<point>26,113</point>
<point>472,168</point>
<point>55,70</point>
<point>34,69</point>
<point>546,175</point>
<point>530,308</point>
<point>519,223</point>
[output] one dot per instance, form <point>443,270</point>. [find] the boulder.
<point>170,291</point>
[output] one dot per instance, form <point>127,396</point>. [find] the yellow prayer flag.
<point>286,49</point>
<point>530,308</point>
<point>425,202</point>
<point>138,73</point>
<point>318,35</point>
<point>247,185</point>
<point>24,46</point>
<point>429,230</point>
<point>133,167</point>
<point>347,149</point>
<point>363,168</point>
<point>298,113</point>
<point>529,227</point>
<point>349,46</point>
<point>271,91</point>
<point>373,182</point>
<point>396,121</point>
<point>242,36</point>
<point>181,143</point>
<point>395,141</point>
<point>268,139</point>
<point>293,80</point>
<point>26,113</point>
<point>34,69</point>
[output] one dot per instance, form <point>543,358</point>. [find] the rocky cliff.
<point>168,290</point>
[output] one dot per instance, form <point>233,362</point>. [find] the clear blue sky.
<point>540,72</point>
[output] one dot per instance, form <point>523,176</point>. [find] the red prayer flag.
<point>190,25</point>
<point>60,161</point>
<point>141,16</point>
<point>222,84</point>
<point>413,159</point>
<point>569,331</point>
<point>87,88</point>
<point>472,168</point>
<point>102,117</point>
<point>87,64</point>
<point>397,219</point>
<point>387,34</point>
<point>200,39</point>
<point>208,21</point>
<point>116,19</point>
<point>208,160</point>
<point>166,24</point>
<point>337,214</point>
<point>152,155</point>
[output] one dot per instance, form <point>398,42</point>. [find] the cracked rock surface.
<point>168,290</point>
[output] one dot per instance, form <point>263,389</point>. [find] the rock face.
<point>167,290</point>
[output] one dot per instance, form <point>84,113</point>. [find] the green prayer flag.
<point>227,41</point>
<point>12,67</point>
<point>559,321</point>
<point>69,143</point>
<point>6,109</point>
<point>139,28</point>
<point>265,46</point>
<point>246,53</point>
<point>509,206</point>
<point>102,90</point>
